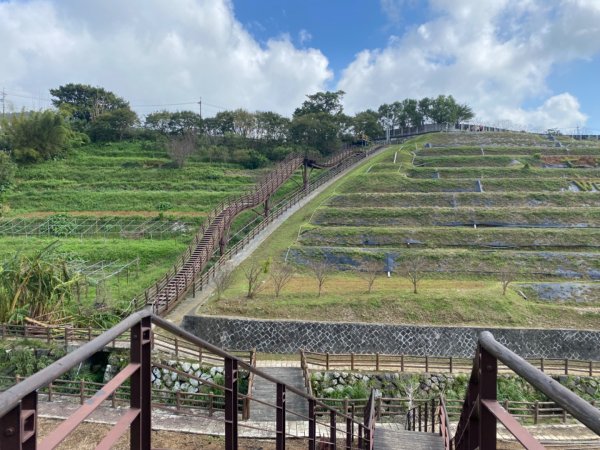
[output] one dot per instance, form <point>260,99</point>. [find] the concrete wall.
<point>289,336</point>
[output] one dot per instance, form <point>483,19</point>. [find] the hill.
<point>469,213</point>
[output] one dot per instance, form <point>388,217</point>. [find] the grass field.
<point>392,208</point>
<point>113,187</point>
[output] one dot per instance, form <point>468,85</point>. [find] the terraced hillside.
<point>468,212</point>
<point>120,214</point>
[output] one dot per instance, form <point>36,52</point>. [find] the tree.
<point>366,124</point>
<point>321,271</point>
<point>271,126</point>
<point>180,148</point>
<point>37,135</point>
<point>253,272</point>
<point>112,125</point>
<point>414,269</point>
<point>316,130</point>
<point>85,103</point>
<point>414,114</point>
<point>444,109</point>
<point>507,276</point>
<point>223,280</point>
<point>179,122</point>
<point>329,103</point>
<point>369,271</point>
<point>281,275</point>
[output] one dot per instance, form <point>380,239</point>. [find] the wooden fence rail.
<point>412,363</point>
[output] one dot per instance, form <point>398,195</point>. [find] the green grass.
<point>487,173</point>
<point>438,237</point>
<point>407,217</point>
<point>380,209</point>
<point>155,259</point>
<point>503,151</point>
<point>471,161</point>
<point>439,302</point>
<point>467,199</point>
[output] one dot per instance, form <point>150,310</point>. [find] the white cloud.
<point>493,54</point>
<point>154,52</point>
<point>304,36</point>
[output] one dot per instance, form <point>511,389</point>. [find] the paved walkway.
<point>387,439</point>
<point>190,304</point>
<point>550,435</point>
<point>264,392</point>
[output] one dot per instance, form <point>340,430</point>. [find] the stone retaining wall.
<point>288,336</point>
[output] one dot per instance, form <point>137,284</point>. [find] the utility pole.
<point>200,107</point>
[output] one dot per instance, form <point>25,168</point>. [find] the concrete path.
<point>386,439</point>
<point>189,305</point>
<point>265,391</point>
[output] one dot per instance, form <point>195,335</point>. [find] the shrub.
<point>7,171</point>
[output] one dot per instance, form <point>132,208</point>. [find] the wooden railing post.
<point>141,387</point>
<point>332,429</point>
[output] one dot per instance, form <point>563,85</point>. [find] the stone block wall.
<point>288,336</point>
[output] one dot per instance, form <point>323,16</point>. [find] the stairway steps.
<point>386,439</point>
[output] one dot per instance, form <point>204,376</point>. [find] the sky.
<point>527,64</point>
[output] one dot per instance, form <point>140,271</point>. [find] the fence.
<point>161,342</point>
<point>412,363</point>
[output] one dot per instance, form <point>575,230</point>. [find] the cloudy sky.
<point>535,63</point>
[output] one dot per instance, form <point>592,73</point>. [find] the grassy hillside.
<point>469,212</point>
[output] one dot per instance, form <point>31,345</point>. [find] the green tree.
<point>271,126</point>
<point>112,125</point>
<point>84,103</point>
<point>444,109</point>
<point>414,114</point>
<point>37,135</point>
<point>316,130</point>
<point>179,122</point>
<point>366,123</point>
<point>322,102</point>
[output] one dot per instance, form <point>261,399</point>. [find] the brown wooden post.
<point>50,392</point>
<point>81,392</point>
<point>536,412</point>
<point>451,363</point>
<point>177,401</point>
<point>566,366</point>
<point>401,363</point>
<point>89,334</point>
<point>542,364</point>
<point>327,361</point>
<point>377,361</point>
<point>352,361</point>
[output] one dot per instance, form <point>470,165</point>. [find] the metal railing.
<point>481,410</point>
<point>412,363</point>
<point>19,404</point>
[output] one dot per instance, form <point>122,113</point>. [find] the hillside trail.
<point>189,305</point>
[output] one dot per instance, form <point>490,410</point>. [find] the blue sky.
<point>530,64</point>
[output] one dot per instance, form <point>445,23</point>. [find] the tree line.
<point>85,113</point>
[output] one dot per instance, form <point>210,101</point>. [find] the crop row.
<point>505,151</point>
<point>467,199</point>
<point>435,237</point>
<point>486,173</point>
<point>408,217</point>
<point>394,182</point>
<point>559,264</point>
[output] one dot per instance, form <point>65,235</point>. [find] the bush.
<point>7,171</point>
<point>250,159</point>
<point>38,135</point>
